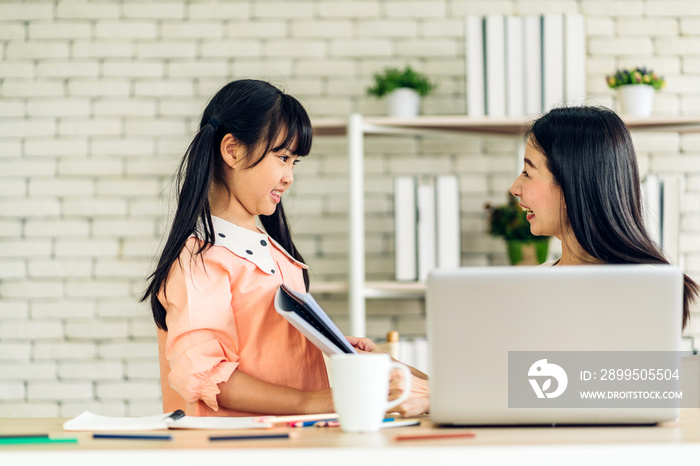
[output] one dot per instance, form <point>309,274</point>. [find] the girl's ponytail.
<point>194,177</point>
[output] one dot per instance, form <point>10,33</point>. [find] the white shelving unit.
<point>356,127</point>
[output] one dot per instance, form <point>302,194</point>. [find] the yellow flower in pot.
<point>635,90</point>
<point>509,221</point>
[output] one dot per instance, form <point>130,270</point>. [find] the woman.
<point>580,183</point>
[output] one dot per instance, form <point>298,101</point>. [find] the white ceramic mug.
<point>360,384</point>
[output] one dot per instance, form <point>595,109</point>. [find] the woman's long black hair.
<point>255,113</point>
<point>590,154</point>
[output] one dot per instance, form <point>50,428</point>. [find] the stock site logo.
<point>542,373</point>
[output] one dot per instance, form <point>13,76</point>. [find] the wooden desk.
<point>670,443</point>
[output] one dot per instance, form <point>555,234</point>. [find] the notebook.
<point>497,335</point>
<point>88,421</point>
<point>306,315</point>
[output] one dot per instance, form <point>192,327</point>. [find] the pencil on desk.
<point>332,423</point>
<point>304,423</point>
<point>131,437</point>
<point>296,418</point>
<point>29,440</point>
<point>388,422</point>
<point>249,437</point>
<point>434,436</point>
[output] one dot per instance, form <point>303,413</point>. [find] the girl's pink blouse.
<point>221,318</point>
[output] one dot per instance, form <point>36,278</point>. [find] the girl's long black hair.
<point>255,113</point>
<point>590,154</point>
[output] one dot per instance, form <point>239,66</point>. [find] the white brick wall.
<point>99,99</point>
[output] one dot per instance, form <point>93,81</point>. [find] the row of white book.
<point>427,230</point>
<point>524,65</point>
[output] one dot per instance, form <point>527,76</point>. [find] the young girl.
<point>580,183</point>
<point>224,349</point>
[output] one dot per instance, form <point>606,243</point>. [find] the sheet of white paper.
<point>88,421</point>
<point>95,422</point>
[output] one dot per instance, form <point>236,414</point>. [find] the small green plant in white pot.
<point>635,90</point>
<point>403,90</point>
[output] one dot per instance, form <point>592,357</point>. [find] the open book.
<point>304,313</point>
<point>88,421</point>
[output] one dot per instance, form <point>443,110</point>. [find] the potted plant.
<point>403,89</point>
<point>509,221</point>
<point>635,90</point>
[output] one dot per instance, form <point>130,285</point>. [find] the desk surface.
<point>311,445</point>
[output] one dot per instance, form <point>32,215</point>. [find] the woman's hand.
<point>363,345</point>
<point>419,399</point>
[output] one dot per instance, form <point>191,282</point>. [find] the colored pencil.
<point>434,436</point>
<point>249,437</point>
<point>386,423</point>
<point>303,423</point>
<point>131,437</point>
<point>18,440</point>
<point>296,418</point>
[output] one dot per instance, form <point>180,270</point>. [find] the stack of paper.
<point>88,421</point>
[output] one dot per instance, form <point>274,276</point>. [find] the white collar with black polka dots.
<point>250,245</point>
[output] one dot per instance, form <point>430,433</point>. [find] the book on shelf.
<point>651,196</point>
<point>405,237</point>
<point>552,61</point>
<point>474,62</point>
<point>574,60</point>
<point>420,355</point>
<point>532,65</point>
<point>447,222</point>
<point>661,197</point>
<point>414,352</point>
<point>670,216</point>
<point>495,58</point>
<point>426,230</point>
<point>427,226</point>
<point>306,315</point>
<point>514,66</point>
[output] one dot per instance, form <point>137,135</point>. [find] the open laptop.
<point>489,327</point>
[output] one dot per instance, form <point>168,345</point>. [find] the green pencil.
<point>34,440</point>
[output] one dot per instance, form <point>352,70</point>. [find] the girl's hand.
<point>363,345</point>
